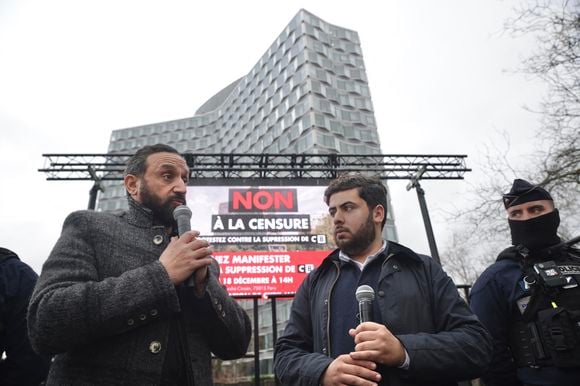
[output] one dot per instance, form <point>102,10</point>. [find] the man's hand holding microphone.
<point>374,344</point>
<point>187,258</point>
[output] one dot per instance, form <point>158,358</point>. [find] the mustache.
<point>177,197</point>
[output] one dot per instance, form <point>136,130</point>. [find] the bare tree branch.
<point>555,161</point>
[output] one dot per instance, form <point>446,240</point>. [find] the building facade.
<point>308,94</point>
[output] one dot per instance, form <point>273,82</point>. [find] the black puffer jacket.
<point>419,304</point>
<point>21,366</point>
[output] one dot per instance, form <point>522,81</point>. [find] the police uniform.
<point>529,300</point>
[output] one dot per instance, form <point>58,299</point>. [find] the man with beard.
<point>111,302</point>
<point>529,299</point>
<point>422,332</point>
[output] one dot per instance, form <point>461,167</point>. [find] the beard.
<point>360,240</point>
<point>162,209</point>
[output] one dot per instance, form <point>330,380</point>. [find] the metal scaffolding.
<point>273,169</point>
<point>215,168</point>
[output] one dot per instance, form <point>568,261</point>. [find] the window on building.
<point>327,141</point>
<point>304,145</point>
<point>336,127</point>
<point>274,148</point>
<point>320,120</point>
<point>345,147</point>
<point>284,141</point>
<point>369,119</point>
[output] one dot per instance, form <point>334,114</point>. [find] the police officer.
<point>529,299</point>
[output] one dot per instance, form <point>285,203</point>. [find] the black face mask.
<point>536,233</point>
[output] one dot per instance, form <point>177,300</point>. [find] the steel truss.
<point>218,167</point>
<point>273,169</point>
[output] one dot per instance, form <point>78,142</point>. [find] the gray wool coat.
<point>103,304</point>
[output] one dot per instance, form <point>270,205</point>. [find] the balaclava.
<point>536,233</point>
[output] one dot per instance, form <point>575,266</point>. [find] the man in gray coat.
<point>111,301</point>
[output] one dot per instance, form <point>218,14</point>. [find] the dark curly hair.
<point>137,164</point>
<point>370,189</point>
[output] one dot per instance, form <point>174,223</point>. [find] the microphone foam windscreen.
<point>365,293</point>
<point>181,210</point>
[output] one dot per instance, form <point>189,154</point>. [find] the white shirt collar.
<point>344,257</point>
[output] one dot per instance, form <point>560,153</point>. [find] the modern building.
<point>308,94</point>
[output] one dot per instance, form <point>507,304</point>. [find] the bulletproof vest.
<point>548,331</point>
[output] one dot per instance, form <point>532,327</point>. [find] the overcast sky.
<point>72,71</point>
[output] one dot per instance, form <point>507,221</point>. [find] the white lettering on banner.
<point>218,224</point>
<point>239,239</point>
<point>243,269</point>
<point>214,239</point>
<point>239,225</point>
<point>222,259</point>
<point>280,239</point>
<point>265,239</point>
<point>251,280</point>
<point>288,224</point>
<point>260,259</point>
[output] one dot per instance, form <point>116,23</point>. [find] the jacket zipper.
<point>328,309</point>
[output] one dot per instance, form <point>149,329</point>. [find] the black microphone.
<point>365,296</point>
<point>182,215</point>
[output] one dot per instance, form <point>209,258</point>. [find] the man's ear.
<point>131,184</point>
<point>378,213</point>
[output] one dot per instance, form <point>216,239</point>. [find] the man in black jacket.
<point>529,299</point>
<point>21,366</point>
<point>422,332</point>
